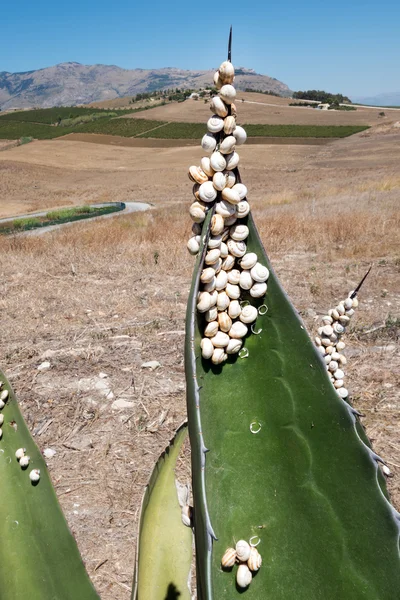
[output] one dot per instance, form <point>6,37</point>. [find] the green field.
<point>49,116</point>
<point>304,131</point>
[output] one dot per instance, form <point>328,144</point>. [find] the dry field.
<point>261,108</point>
<point>97,300</point>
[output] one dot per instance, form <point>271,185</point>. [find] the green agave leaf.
<point>164,553</point>
<point>307,484</point>
<point>39,558</point>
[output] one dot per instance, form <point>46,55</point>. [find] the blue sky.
<point>350,47</point>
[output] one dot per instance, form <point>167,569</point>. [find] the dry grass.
<point>109,295</point>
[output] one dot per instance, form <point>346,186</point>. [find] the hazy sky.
<point>351,47</point>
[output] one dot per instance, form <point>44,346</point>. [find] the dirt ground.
<point>98,300</point>
<point>260,108</point>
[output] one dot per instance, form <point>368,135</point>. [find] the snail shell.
<point>234,276</point>
<point>226,72</point>
<point>227,93</point>
<point>197,213</point>
<point>231,196</point>
<point>212,256</point>
<point>20,453</point>
<point>344,319</point>
<point>195,190</point>
<point>229,558</point>
<point>338,383</point>
<point>4,395</point>
<point>340,308</point>
<point>193,245</point>
<point>249,314</point>
<point>217,224</point>
<point>196,228</point>
<point>224,322</point>
<point>317,341</point>
<point>338,374</point>
<point>349,313</point>
<point>211,314</point>
<point>348,303</point>
<point>234,309</point>
<point>241,189</point>
<point>234,346</point>
<point>326,341</point>
<point>233,291</point>
<point>237,249</point>
<point>334,314</point>
<point>258,290</point>
<point>219,356</point>
<point>255,561</point>
<point>338,328</point>
<point>217,81</point>
<point>228,263</point>
<point>230,220</point>
<point>210,286</point>
<point>219,180</point>
<point>333,366</point>
<point>321,350</point>
<point>259,273</point>
<point>218,106</point>
<point>229,125</point>
<point>246,281</point>
<point>355,302</point>
<point>233,110</point>
<point>1,418</point>
<point>340,346</point>
<point>242,209</point>
<point>204,302</point>
<point>225,233</point>
<point>214,241</point>
<point>238,330</point>
<point>34,475</point>
<point>207,192</point>
<point>206,346</point>
<point>227,145</point>
<point>214,298</point>
<point>232,161</point>
<point>242,547</point>
<point>342,359</point>
<point>206,166</point>
<point>330,349</point>
<point>243,576</point>
<point>328,358</point>
<point>249,260</point>
<point>225,208</point>
<point>343,393</point>
<point>221,281</point>
<point>24,462</point>
<point>217,266</point>
<point>239,232</point>
<point>197,174</point>
<point>327,330</point>
<point>215,124</point>
<point>207,275</point>
<point>240,135</point>
<point>231,178</point>
<point>335,356</point>
<point>220,340</point>
<point>223,301</point>
<point>217,161</point>
<point>208,142</point>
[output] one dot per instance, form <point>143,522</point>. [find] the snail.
<point>230,195</point>
<point>227,145</point>
<point>229,125</point>
<point>246,282</point>
<point>243,550</point>
<point>215,124</point>
<point>219,180</point>
<point>229,558</point>
<point>226,72</point>
<point>219,356</point>
<point>239,232</point>
<point>238,330</point>
<point>208,142</point>
<point>34,475</point>
<point>254,561</point>
<point>207,192</point>
<point>24,462</point>
<point>227,93</point>
<point>240,134</point>
<point>206,166</point>
<point>242,209</point>
<point>232,160</point>
<point>243,576</point>
<point>218,106</point>
<point>218,161</point>
<point>207,348</point>
<point>20,453</point>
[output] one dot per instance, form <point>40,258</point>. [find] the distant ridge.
<point>387,99</point>
<point>71,83</point>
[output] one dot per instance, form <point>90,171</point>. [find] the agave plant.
<point>279,461</point>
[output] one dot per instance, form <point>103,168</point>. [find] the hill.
<point>72,83</point>
<point>387,99</point>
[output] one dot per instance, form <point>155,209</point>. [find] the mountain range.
<point>387,99</point>
<point>71,83</point>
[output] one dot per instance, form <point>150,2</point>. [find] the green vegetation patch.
<point>178,131</point>
<point>304,131</point>
<point>56,114</point>
<point>123,127</point>
<point>57,217</point>
<point>14,130</point>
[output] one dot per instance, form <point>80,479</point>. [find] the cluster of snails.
<point>229,269</point>
<point>330,345</point>
<point>249,561</point>
<point>20,455</point>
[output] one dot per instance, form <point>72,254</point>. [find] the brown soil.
<point>105,297</point>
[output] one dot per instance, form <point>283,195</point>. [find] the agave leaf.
<point>164,553</point>
<point>39,558</point>
<point>306,484</point>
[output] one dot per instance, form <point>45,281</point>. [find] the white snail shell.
<point>221,281</point>
<point>204,302</point>
<point>241,189</point>
<point>207,192</point>
<point>338,383</point>
<point>243,576</point>
<point>218,106</point>
<point>234,276</point>
<point>340,346</point>
<point>197,213</point>
<point>223,301</point>
<point>234,309</point>
<point>343,393</point>
<point>217,161</point>
<point>211,329</point>
<point>258,290</point>
<point>217,224</point>
<point>242,547</point>
<point>240,135</point>
<point>227,93</point>
<point>212,256</point>
<point>224,322</point>
<point>211,314</point>
<point>355,302</point>
<point>217,81</point>
<point>24,461</point>
<point>230,220</point>
<point>214,241</point>
<point>227,145</point>
<point>226,72</point>
<point>229,558</point>
<point>208,142</point>
<point>242,209</point>
<point>210,286</point>
<point>34,475</point>
<point>215,124</point>
<point>231,196</point>
<point>233,291</point>
<point>249,314</point>
<point>238,330</point>
<point>237,249</point>
<point>338,374</point>
<point>197,174</point>
<point>228,263</point>
<point>246,281</point>
<point>1,418</point>
<point>220,340</point>
<point>348,303</point>
<point>230,178</point>
<point>255,561</point>
<point>249,260</point>
<point>219,356</point>
<point>239,232</point>
<point>207,275</point>
<point>193,245</point>
<point>206,166</point>
<point>225,233</point>
<point>20,453</point>
<point>340,308</point>
<point>338,328</point>
<point>234,346</point>
<point>229,125</point>
<point>219,180</point>
<point>207,348</point>
<point>225,208</point>
<point>4,395</point>
<point>259,273</point>
<point>232,160</point>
